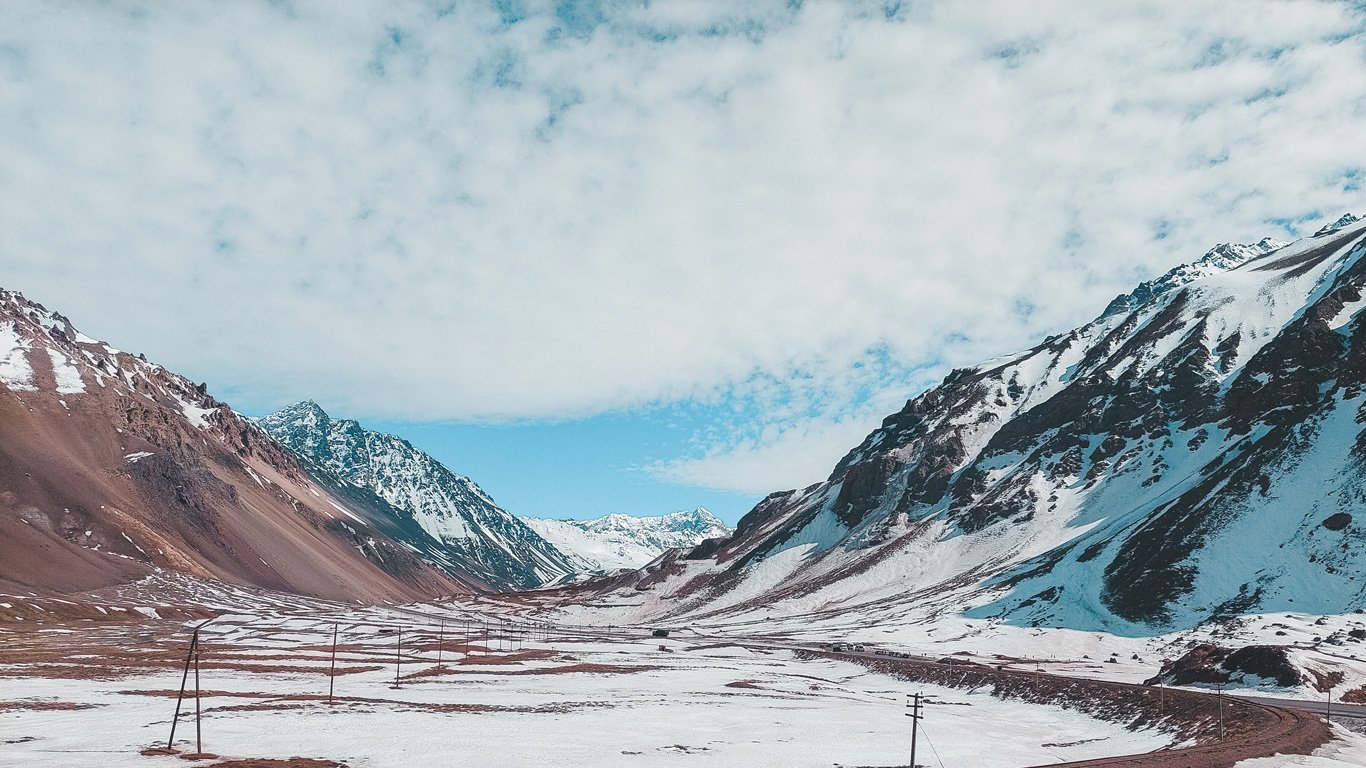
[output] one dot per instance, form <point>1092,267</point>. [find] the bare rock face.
<point>1252,666</point>
<point>1194,453</point>
<point>111,466</point>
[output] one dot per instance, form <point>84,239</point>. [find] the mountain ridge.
<point>616,541</point>
<point>477,535</point>
<point>1106,479</point>
<point>112,467</point>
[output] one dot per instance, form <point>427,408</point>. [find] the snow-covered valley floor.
<point>88,691</point>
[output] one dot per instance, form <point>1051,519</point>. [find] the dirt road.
<point>1251,727</point>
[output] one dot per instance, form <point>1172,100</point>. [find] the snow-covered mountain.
<point>1196,452</point>
<point>615,542</point>
<point>477,535</point>
<point>112,467</point>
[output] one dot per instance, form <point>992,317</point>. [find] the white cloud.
<point>415,213</point>
<point>792,457</point>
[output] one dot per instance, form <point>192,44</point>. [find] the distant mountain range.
<point>1194,453</point>
<point>616,542</point>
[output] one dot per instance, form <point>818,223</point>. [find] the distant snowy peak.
<point>615,542</point>
<point>478,534</point>
<point>1346,220</point>
<point>1220,258</point>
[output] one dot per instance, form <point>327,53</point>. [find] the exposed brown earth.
<point>40,705</point>
<point>290,763</point>
<point>293,762</point>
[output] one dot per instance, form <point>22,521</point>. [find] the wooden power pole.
<point>914,714</point>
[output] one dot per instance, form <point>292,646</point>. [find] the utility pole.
<point>398,657</point>
<point>1220,688</point>
<point>198,734</point>
<point>332,673</point>
<point>1329,713</point>
<point>440,640</point>
<point>191,658</point>
<point>1162,686</point>
<point>914,714</point>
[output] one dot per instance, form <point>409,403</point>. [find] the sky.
<point>636,257</point>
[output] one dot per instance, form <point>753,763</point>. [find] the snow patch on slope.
<point>15,371</point>
<point>66,375</point>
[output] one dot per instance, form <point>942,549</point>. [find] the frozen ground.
<point>1322,643</point>
<point>563,698</point>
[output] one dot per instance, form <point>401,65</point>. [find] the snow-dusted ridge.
<point>477,534</point>
<point>616,542</point>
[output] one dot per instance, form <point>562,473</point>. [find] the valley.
<point>522,679</point>
<point>1136,543</point>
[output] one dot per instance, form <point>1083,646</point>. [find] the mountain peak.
<point>1345,220</point>
<point>1220,258</point>
<point>306,410</point>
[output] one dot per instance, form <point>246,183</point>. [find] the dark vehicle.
<point>659,633</point>
<point>839,647</point>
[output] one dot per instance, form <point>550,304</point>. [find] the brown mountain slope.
<point>111,466</point>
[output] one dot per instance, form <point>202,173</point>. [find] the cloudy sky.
<point>628,257</point>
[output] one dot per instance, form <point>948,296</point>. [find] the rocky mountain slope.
<point>111,467</point>
<point>1194,453</point>
<point>476,535</point>
<point>615,542</point>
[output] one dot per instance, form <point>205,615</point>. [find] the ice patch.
<point>133,458</point>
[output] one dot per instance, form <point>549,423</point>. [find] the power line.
<point>932,749</point>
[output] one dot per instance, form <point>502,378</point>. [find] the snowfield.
<point>570,697</point>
